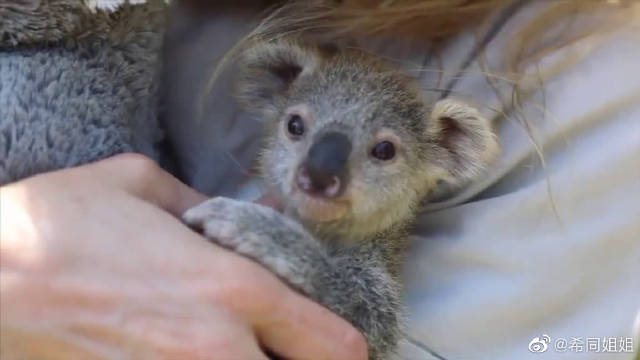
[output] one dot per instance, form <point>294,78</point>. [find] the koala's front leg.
<point>359,290</point>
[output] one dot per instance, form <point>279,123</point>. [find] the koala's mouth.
<point>318,209</point>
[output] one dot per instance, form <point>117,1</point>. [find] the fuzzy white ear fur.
<point>466,140</point>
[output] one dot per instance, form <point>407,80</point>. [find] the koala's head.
<point>351,147</point>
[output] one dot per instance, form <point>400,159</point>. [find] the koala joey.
<point>351,149</point>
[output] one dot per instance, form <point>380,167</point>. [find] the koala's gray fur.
<point>350,262</point>
<point>76,85</point>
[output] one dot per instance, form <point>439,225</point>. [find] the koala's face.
<point>350,144</point>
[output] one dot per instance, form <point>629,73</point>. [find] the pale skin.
<point>95,264</point>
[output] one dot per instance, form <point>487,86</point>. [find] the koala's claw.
<point>215,207</point>
<point>261,234</point>
<point>218,219</point>
<point>256,231</point>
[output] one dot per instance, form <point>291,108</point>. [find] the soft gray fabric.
<point>82,97</point>
<point>491,268</point>
<point>212,140</point>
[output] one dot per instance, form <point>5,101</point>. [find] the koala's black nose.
<point>325,170</point>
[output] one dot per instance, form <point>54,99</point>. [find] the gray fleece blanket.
<point>77,82</point>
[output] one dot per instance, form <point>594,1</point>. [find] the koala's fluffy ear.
<point>465,140</point>
<point>268,70</point>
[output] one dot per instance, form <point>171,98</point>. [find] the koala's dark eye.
<point>384,150</point>
<point>295,126</point>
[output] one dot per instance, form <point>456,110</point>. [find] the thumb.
<point>143,178</point>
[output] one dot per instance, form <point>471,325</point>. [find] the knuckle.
<point>232,348</point>
<point>222,344</point>
<point>355,345</point>
<point>247,291</point>
<point>139,166</point>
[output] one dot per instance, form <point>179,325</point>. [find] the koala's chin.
<point>316,209</point>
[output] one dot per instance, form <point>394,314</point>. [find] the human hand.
<point>94,264</point>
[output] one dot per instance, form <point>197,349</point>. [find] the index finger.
<point>145,179</point>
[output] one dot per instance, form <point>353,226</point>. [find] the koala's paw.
<point>222,220</point>
<point>259,233</point>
